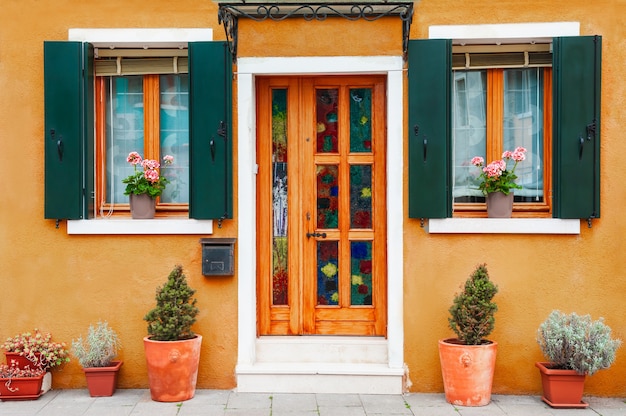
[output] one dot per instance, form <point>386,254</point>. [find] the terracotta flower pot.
<point>102,381</point>
<point>21,388</point>
<point>561,388</point>
<point>467,371</point>
<point>172,368</point>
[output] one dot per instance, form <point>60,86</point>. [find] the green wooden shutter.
<point>577,69</point>
<point>210,86</point>
<point>68,135</point>
<point>429,72</point>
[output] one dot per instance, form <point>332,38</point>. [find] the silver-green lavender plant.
<point>99,348</point>
<point>574,342</point>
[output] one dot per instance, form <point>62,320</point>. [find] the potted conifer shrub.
<point>468,361</point>
<point>575,346</point>
<point>96,353</point>
<point>172,349</point>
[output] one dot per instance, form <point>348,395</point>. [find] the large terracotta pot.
<point>172,368</point>
<point>467,371</point>
<point>102,381</point>
<point>499,205</point>
<point>561,388</point>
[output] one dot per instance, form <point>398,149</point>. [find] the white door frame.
<point>247,69</point>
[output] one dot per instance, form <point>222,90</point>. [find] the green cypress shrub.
<point>472,312</point>
<point>175,310</point>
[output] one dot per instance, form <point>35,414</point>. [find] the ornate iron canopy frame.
<point>229,14</point>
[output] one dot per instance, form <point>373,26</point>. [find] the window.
<point>77,164</point>
<point>455,113</point>
<point>499,109</point>
<point>148,114</point>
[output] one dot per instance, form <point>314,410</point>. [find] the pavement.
<point>137,402</point>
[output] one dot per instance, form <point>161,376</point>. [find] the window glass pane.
<point>361,272</point>
<point>523,126</point>
<point>326,118</point>
<point>327,272</point>
<point>280,269</point>
<point>361,196</point>
<point>469,132</point>
<point>174,136</point>
<point>327,196</point>
<point>361,120</point>
<point>124,131</point>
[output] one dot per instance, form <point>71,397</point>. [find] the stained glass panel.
<point>280,269</point>
<point>361,196</point>
<point>327,272</point>
<point>361,120</point>
<point>361,272</point>
<point>326,119</point>
<point>327,196</point>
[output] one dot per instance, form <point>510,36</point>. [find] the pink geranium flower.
<point>495,177</point>
<point>148,180</point>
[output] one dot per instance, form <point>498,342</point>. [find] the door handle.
<point>309,235</point>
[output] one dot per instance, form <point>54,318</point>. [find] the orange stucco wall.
<point>62,283</point>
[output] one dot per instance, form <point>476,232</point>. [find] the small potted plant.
<point>497,182</point>
<point>145,185</point>
<point>20,383</point>
<point>172,349</point>
<point>468,361</point>
<point>575,346</point>
<point>96,353</point>
<point>36,350</point>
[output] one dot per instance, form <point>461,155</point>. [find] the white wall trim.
<point>247,68</point>
<point>503,226</point>
<point>169,226</point>
<point>508,32</point>
<point>140,38</point>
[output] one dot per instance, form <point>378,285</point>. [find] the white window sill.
<point>503,226</point>
<point>138,227</point>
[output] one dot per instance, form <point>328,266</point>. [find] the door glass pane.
<point>327,196</point>
<point>280,281</point>
<point>327,272</point>
<point>326,119</point>
<point>361,196</point>
<point>124,131</point>
<point>361,272</point>
<point>361,120</point>
<point>469,132</point>
<point>523,126</point>
<point>174,136</point>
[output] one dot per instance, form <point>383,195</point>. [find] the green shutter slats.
<point>429,75</point>
<point>68,135</point>
<point>577,69</point>
<point>210,86</point>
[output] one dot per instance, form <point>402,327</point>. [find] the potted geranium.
<point>145,184</point>
<point>172,349</point>
<point>575,346</point>
<point>20,383</point>
<point>468,361</point>
<point>96,353</point>
<point>497,181</point>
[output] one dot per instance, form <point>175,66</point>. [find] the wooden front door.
<point>321,250</point>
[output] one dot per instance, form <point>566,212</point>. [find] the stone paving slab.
<point>137,402</point>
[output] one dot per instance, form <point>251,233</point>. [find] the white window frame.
<point>140,38</point>
<point>499,34</point>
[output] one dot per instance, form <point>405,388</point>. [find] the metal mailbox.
<point>218,256</point>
